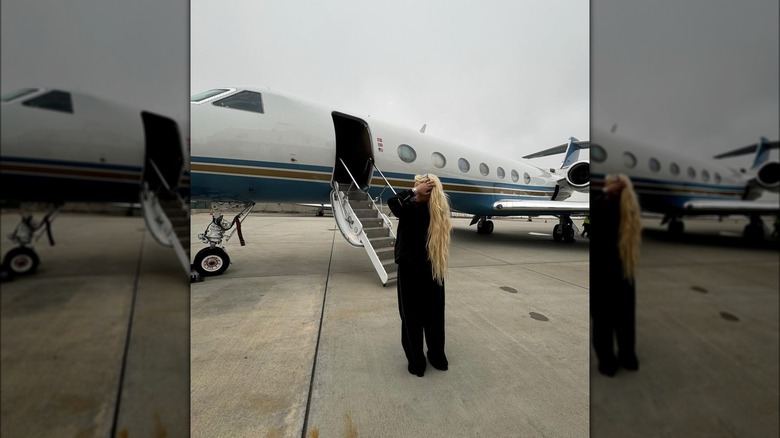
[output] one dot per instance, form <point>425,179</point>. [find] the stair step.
<point>357,195</point>
<point>365,212</point>
<point>361,205</point>
<point>391,268</point>
<point>370,222</point>
<point>392,276</point>
<point>382,242</point>
<point>373,233</point>
<point>386,253</point>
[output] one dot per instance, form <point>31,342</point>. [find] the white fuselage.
<point>291,153</point>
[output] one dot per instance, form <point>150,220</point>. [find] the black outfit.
<point>612,296</point>
<point>420,297</point>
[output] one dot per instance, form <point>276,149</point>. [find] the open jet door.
<point>165,211</point>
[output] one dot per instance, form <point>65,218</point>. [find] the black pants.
<point>421,305</point>
<point>613,313</point>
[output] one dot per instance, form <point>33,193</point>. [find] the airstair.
<point>166,214</point>
<point>363,224</point>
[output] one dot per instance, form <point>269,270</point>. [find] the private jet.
<point>258,145</point>
<point>62,146</point>
<point>676,185</point>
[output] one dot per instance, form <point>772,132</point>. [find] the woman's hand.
<point>425,187</point>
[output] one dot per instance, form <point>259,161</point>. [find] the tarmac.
<point>96,343</point>
<point>299,338</point>
<point>708,339</point>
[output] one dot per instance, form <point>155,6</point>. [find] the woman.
<point>421,252</point>
<point>616,232</point>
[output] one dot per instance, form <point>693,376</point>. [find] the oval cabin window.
<point>406,153</point>
<point>438,160</point>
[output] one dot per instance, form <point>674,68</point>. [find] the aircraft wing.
<point>536,208</point>
<point>724,207</point>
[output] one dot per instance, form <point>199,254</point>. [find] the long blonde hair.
<point>630,226</point>
<point>439,230</point>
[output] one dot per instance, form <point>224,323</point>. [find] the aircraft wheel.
<point>488,227</point>
<point>754,232</point>
<point>676,227</point>
<point>211,261</point>
<point>21,261</point>
<point>320,213</point>
<point>481,227</point>
<point>568,234</point>
<point>557,233</point>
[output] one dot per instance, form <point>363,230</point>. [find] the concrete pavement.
<point>517,338</point>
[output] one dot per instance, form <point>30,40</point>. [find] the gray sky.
<point>132,51</point>
<point>699,76</point>
<point>507,76</point>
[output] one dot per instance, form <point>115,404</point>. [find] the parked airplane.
<point>676,185</point>
<point>60,146</point>
<point>257,145</point>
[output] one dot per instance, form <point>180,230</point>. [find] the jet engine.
<point>578,176</point>
<point>768,176</point>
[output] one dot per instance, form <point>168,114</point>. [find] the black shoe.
<point>630,362</point>
<point>608,368</point>
<point>417,371</point>
<point>438,362</point>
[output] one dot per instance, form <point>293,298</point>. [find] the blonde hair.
<point>630,227</point>
<point>439,230</point>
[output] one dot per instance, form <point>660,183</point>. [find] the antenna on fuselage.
<point>422,130</point>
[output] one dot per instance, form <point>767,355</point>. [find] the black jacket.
<point>413,220</point>
<point>605,243</point>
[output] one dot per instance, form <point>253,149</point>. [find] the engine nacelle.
<point>578,176</point>
<point>768,176</point>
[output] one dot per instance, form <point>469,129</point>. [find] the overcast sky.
<point>696,75</point>
<point>507,76</point>
<point>699,76</point>
<point>135,52</point>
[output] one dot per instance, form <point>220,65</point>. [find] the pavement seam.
<point>127,338</point>
<point>317,345</point>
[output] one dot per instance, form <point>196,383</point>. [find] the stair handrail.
<point>387,183</point>
<point>350,174</point>
<point>165,184</point>
<point>383,216</point>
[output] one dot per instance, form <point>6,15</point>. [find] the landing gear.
<point>211,261</point>
<point>676,226</point>
<point>485,227</point>
<point>754,231</point>
<point>564,230</point>
<point>214,260</point>
<point>21,261</point>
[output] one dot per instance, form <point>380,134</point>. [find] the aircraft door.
<point>353,146</point>
<point>163,148</point>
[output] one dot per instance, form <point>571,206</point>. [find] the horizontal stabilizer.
<point>571,150</point>
<point>761,149</point>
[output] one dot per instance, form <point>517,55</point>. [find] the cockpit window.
<point>207,94</point>
<point>18,93</point>
<point>53,100</point>
<point>245,100</point>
